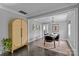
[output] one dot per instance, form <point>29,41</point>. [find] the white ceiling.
<point>60,17</point>
<point>56,18</point>
<point>34,9</point>
<point>44,19</point>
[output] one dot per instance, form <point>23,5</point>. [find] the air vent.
<point>22,12</point>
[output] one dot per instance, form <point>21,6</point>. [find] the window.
<point>45,28</point>
<point>69,29</point>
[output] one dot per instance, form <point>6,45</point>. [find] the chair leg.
<point>58,43</point>
<point>54,45</point>
<point>44,42</point>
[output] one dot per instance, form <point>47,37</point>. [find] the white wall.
<point>5,17</point>
<point>73,17</point>
<point>63,31</point>
<point>34,34</point>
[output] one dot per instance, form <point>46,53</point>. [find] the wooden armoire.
<point>18,33</point>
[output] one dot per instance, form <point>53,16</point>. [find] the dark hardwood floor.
<point>32,50</point>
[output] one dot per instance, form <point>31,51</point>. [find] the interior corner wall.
<point>73,17</point>
<point>5,17</point>
<point>34,34</point>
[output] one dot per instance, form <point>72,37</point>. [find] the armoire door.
<point>24,32</point>
<point>16,34</point>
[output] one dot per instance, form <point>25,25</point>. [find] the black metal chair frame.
<point>50,39</point>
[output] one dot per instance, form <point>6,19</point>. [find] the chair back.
<point>48,38</point>
<point>57,38</point>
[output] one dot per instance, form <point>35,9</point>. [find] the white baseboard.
<point>33,39</point>
<point>71,46</point>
